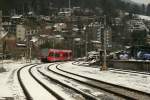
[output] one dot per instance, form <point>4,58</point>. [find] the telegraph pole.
<point>69,7</point>
<point>27,46</point>
<point>69,4</point>
<point>86,40</point>
<point>1,33</point>
<point>30,49</point>
<point>104,65</point>
<point>86,44</point>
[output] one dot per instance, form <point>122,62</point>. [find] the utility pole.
<point>69,7</point>
<point>86,44</point>
<point>1,33</point>
<point>104,65</point>
<point>27,45</point>
<point>86,40</point>
<point>30,50</point>
<point>69,4</point>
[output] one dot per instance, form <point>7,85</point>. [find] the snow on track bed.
<point>115,70</point>
<point>15,87</point>
<point>79,85</point>
<point>132,79</point>
<point>65,84</point>
<point>52,86</point>
<point>131,93</point>
<point>34,89</point>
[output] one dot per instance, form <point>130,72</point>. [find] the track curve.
<point>124,92</point>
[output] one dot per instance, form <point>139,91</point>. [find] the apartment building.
<point>136,24</point>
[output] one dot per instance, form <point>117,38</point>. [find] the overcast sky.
<point>142,1</point>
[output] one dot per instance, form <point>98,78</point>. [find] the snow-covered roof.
<point>34,39</point>
<point>16,16</point>
<point>93,41</point>
<point>30,12</point>
<point>93,52</point>
<point>21,44</point>
<point>77,39</point>
<point>44,35</point>
<point>144,17</point>
<point>58,36</point>
<point>3,33</point>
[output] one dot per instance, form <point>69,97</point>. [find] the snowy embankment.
<point>8,80</point>
<point>36,91</point>
<point>132,80</point>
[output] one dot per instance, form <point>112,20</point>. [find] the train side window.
<point>54,55</point>
<point>70,54</point>
<point>57,55</point>
<point>66,54</point>
<point>51,54</point>
<point>61,55</point>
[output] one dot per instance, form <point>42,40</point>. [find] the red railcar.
<point>51,55</point>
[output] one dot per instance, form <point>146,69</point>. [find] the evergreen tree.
<point>143,9</point>
<point>148,10</point>
<point>138,37</point>
<point>42,6</point>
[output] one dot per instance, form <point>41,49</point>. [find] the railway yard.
<point>74,50</point>
<point>70,81</point>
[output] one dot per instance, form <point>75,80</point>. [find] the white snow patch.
<point>144,17</point>
<point>5,82</point>
<point>132,80</point>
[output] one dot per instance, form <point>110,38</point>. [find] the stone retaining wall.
<point>130,65</point>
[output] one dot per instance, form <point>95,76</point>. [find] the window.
<point>65,54</point>
<point>54,54</point>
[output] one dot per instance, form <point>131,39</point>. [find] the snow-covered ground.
<point>8,88</point>
<point>8,79</point>
<point>132,80</point>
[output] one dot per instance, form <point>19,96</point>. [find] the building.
<point>20,32</point>
<point>136,24</point>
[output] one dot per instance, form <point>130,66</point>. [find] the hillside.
<point>43,6</point>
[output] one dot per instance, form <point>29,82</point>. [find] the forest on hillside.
<point>43,6</point>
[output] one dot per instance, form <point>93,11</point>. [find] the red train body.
<point>52,55</point>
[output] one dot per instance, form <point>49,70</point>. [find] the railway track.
<point>87,91</point>
<point>33,88</point>
<point>79,87</point>
<point>117,90</point>
<point>57,80</point>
